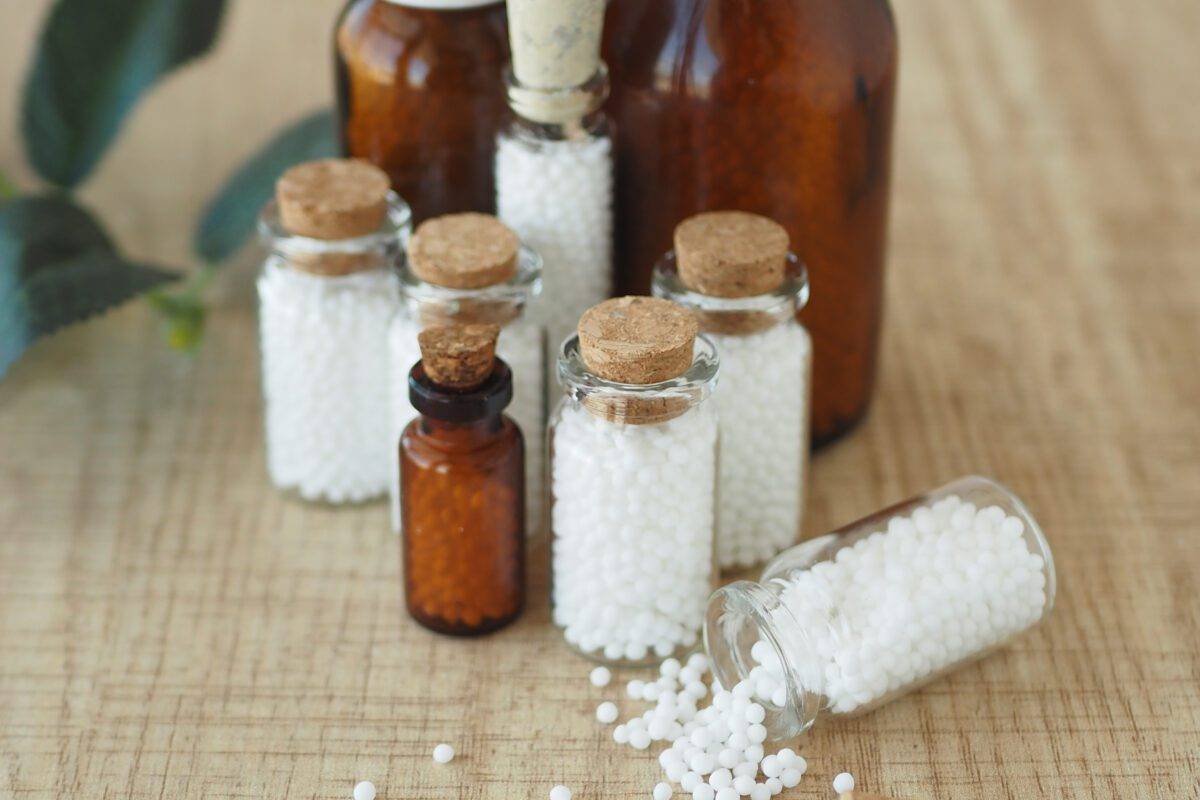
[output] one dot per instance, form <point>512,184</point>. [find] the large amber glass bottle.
<point>781,108</point>
<point>421,94</point>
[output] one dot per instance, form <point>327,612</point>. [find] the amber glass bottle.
<point>421,94</point>
<point>462,478</point>
<point>781,108</point>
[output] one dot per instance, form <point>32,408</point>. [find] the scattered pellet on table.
<point>600,677</point>
<point>843,783</point>
<point>443,754</point>
<point>606,712</point>
<point>364,790</point>
<point>560,792</point>
<point>663,791</point>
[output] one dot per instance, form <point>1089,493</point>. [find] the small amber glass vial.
<point>462,478</point>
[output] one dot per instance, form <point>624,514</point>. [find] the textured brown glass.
<point>463,516</point>
<point>778,107</point>
<point>421,95</point>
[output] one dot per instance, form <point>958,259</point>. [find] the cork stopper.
<point>637,340</point>
<point>458,357</point>
<point>464,251</point>
<point>555,43</point>
<point>731,253</point>
<point>332,199</point>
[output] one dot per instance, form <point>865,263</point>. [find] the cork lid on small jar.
<point>637,340</point>
<point>459,357</point>
<point>464,251</point>
<point>731,254</point>
<point>332,199</point>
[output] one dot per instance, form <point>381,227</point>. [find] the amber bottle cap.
<point>458,356</point>
<point>464,251</point>
<point>637,340</point>
<point>332,198</point>
<point>731,253</point>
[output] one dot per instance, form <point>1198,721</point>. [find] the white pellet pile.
<point>716,751</point>
<point>633,531</point>
<point>324,361</point>
<point>557,196</point>
<point>763,401</point>
<point>522,347</point>
<point>942,585</point>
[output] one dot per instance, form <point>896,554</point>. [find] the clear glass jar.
<point>763,401</point>
<point>324,311</point>
<point>522,345</point>
<point>851,620</point>
<point>554,185</point>
<point>632,509</point>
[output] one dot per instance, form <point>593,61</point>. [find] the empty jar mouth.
<point>385,241</point>
<point>779,303</point>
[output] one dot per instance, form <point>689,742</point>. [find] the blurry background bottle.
<point>780,108</point>
<point>421,94</point>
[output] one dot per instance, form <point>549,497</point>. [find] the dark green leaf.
<point>57,266</point>
<point>229,218</point>
<point>94,59</point>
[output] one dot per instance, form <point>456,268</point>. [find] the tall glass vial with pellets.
<point>327,294</point>
<point>846,622</point>
<point>461,463</point>
<point>734,271</point>
<point>633,456</point>
<point>554,160</point>
<point>471,268</point>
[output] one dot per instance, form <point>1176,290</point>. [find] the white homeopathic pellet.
<point>942,584</point>
<point>557,195</point>
<point>844,782</point>
<point>560,792</point>
<point>606,712</point>
<point>632,519</point>
<point>364,790</point>
<point>324,367</point>
<point>443,754</point>
<point>600,677</point>
<point>662,791</point>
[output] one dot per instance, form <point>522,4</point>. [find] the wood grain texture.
<point>170,627</point>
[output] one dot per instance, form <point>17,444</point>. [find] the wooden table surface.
<point>170,627</point>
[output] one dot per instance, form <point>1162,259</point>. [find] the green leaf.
<point>229,218</point>
<point>94,60</point>
<point>57,266</point>
<point>8,189</point>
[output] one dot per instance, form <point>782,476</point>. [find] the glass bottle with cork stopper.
<point>463,499</point>
<point>633,456</point>
<point>327,294</point>
<point>734,271</point>
<point>463,269</point>
<point>554,159</point>
<point>420,93</point>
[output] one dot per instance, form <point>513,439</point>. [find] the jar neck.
<point>744,613</point>
<point>736,316</point>
<point>561,112</point>
<point>499,304</point>
<point>634,404</point>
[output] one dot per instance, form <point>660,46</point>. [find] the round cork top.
<point>458,356</point>
<point>637,340</point>
<point>332,199</point>
<point>731,253</point>
<point>464,251</point>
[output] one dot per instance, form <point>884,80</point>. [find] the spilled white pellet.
<point>600,677</point>
<point>364,790</point>
<point>560,792</point>
<point>844,782</point>
<point>443,754</point>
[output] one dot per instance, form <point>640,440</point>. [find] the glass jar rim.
<point>794,290</point>
<point>700,377</point>
<point>397,222</point>
<point>523,286</point>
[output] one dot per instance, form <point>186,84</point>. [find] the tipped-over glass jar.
<point>327,294</point>
<point>632,474</point>
<point>762,400</point>
<point>522,345</point>
<point>851,620</point>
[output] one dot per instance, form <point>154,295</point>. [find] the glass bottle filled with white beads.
<point>735,272</point>
<point>463,269</point>
<point>327,293</point>
<point>848,621</point>
<point>633,453</point>
<point>554,167</point>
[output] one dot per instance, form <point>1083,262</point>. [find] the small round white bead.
<point>600,677</point>
<point>560,792</point>
<point>364,790</point>
<point>443,754</point>
<point>606,712</point>
<point>662,791</point>
<point>790,777</point>
<point>844,782</point>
